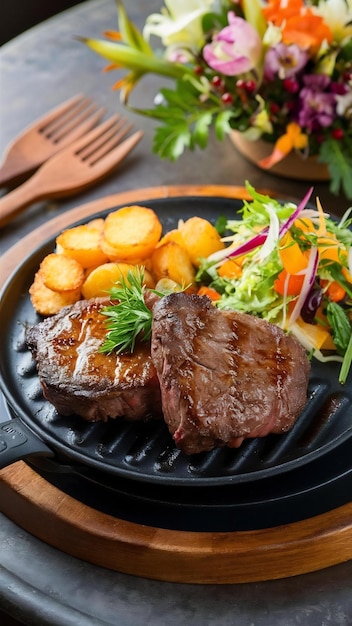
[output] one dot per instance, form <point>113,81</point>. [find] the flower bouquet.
<point>279,70</point>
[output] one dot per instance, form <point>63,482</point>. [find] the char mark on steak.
<point>79,379</point>
<point>224,375</point>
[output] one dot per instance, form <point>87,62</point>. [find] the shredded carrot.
<point>346,274</point>
<point>328,344</point>
<point>334,291</point>
<point>320,315</point>
<point>232,268</point>
<point>332,252</point>
<point>208,291</point>
<point>322,223</point>
<point>305,224</point>
<point>291,255</point>
<point>293,286</point>
<point>319,335</point>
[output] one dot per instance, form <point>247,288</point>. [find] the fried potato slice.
<point>97,223</point>
<point>170,260</point>
<point>48,302</point>
<point>82,243</point>
<point>61,273</point>
<point>116,256</point>
<point>200,238</point>
<point>172,235</point>
<point>101,279</point>
<point>131,233</point>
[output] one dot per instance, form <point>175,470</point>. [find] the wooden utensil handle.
<point>15,201</point>
<point>9,173</point>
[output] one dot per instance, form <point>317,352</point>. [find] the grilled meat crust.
<point>79,379</point>
<point>224,375</point>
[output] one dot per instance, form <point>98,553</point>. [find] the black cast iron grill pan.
<point>145,452</point>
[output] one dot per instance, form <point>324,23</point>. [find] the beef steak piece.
<point>224,375</point>
<point>78,379</point>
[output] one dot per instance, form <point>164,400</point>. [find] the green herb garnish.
<point>342,335</point>
<point>130,317</point>
<point>340,325</point>
<point>346,363</point>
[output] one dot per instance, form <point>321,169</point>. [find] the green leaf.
<point>133,59</point>
<point>221,224</point>
<point>346,363</point>
<point>214,21</point>
<point>175,98</point>
<point>160,113</point>
<point>130,32</point>
<point>340,325</point>
<point>171,140</point>
<point>222,126</point>
<point>338,157</point>
<point>201,130</point>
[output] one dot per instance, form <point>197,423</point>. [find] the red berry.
<point>198,70</point>
<point>291,85</point>
<point>227,98</point>
<point>337,133</point>
<point>250,86</point>
<point>274,108</point>
<point>218,84</point>
<point>217,81</point>
<point>241,84</point>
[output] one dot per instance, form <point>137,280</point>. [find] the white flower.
<point>344,105</point>
<point>179,24</point>
<point>338,14</point>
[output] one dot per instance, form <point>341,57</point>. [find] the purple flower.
<point>284,61</point>
<point>235,49</point>
<point>317,105</point>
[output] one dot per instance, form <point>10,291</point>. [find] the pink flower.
<point>235,49</point>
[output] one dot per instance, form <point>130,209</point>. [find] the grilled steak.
<point>224,375</point>
<point>78,379</point>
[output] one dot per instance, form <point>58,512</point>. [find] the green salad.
<point>292,266</point>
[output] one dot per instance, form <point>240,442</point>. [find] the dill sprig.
<point>130,317</point>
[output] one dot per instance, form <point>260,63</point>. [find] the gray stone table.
<point>38,584</point>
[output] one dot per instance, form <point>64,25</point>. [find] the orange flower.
<point>292,139</point>
<point>307,31</point>
<point>299,24</point>
<point>277,11</point>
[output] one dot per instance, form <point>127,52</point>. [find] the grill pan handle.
<point>18,442</point>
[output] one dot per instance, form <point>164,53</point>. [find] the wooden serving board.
<point>169,555</point>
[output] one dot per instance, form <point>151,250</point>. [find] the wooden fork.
<point>74,168</point>
<point>54,131</point>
